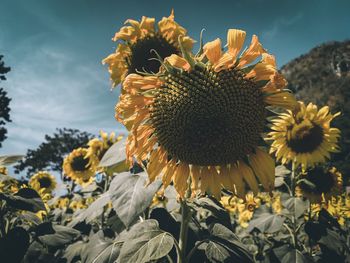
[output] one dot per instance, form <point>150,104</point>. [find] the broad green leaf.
<point>226,239</point>
<point>94,210</point>
<point>294,256</point>
<point>14,245</point>
<point>266,223</point>
<point>101,248</point>
<point>296,205</point>
<point>130,196</point>
<point>73,251</point>
<point>145,242</point>
<point>4,178</point>
<point>56,235</point>
<point>210,207</point>
<point>281,170</point>
<point>10,159</point>
<point>25,199</point>
<point>216,252</point>
<point>279,181</point>
<point>115,154</point>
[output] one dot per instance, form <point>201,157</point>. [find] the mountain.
<point>322,76</point>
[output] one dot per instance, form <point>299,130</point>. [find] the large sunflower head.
<point>43,182</point>
<point>140,41</point>
<point>79,167</point>
<point>304,135</point>
<point>320,182</point>
<point>201,117</point>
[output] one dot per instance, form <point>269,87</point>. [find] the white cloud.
<point>50,88</point>
<point>281,24</point>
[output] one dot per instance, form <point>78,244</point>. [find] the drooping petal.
<point>235,41</point>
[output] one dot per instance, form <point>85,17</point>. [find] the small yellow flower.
<point>3,170</point>
<point>159,200</point>
<point>43,181</point>
<point>99,146</point>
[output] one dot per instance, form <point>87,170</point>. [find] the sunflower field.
<point>220,163</point>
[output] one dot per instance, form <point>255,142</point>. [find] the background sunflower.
<point>80,168</point>
<point>304,135</point>
<point>137,43</point>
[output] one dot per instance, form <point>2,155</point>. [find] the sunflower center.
<point>208,118</point>
<point>305,137</point>
<point>323,181</point>
<point>79,163</point>
<point>139,60</point>
<point>44,182</point>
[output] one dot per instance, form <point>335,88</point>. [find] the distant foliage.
<point>4,102</point>
<point>49,154</point>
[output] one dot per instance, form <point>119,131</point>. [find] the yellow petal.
<point>181,175</point>
<point>213,50</point>
<point>248,176</point>
<point>253,52</point>
<point>178,62</point>
<point>235,41</point>
<point>264,167</point>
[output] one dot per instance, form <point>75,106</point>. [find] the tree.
<point>4,102</point>
<point>50,154</point>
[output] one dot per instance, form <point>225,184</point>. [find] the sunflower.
<point>304,136</point>
<point>43,182</point>
<point>99,147</point>
<point>140,41</point>
<point>3,170</point>
<point>337,206</point>
<point>201,117</point>
<point>319,181</point>
<point>80,168</point>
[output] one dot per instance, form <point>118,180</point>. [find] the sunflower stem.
<point>185,214</point>
<point>185,219</point>
<point>292,186</point>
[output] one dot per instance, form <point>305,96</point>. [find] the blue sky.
<point>55,50</point>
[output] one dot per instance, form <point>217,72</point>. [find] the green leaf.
<point>216,252</point>
<point>266,223</point>
<point>130,196</point>
<point>115,154</point>
<point>279,181</point>
<point>282,171</point>
<point>222,239</point>
<point>73,251</point>
<point>14,245</point>
<point>4,178</point>
<point>56,235</point>
<point>94,210</point>
<point>10,159</point>
<point>294,256</point>
<point>101,248</point>
<point>296,205</point>
<point>145,242</point>
<point>210,208</point>
<point>25,199</point>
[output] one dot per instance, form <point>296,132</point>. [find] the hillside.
<point>322,76</point>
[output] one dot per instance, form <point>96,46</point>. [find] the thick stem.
<point>185,219</point>
<point>185,213</point>
<point>105,188</point>
<point>292,186</point>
